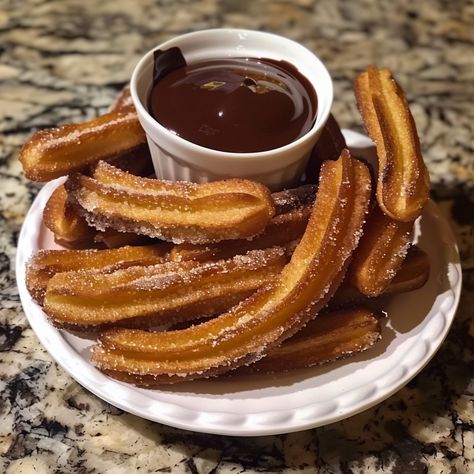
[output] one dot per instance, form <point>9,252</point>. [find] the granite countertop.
<point>64,61</point>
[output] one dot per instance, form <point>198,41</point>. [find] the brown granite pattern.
<point>64,61</point>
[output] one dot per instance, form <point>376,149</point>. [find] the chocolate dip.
<point>232,104</point>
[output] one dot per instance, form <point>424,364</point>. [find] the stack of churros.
<point>258,282</point>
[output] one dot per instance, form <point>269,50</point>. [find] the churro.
<point>142,296</point>
<point>329,337</point>
<point>174,211</point>
<point>69,228</point>
<point>380,254</point>
<point>272,314</point>
<point>412,275</point>
<point>403,180</point>
<point>113,239</point>
<point>46,263</point>
<point>59,151</point>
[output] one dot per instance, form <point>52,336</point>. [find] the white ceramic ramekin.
<point>175,158</point>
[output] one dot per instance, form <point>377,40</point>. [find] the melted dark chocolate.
<point>233,104</point>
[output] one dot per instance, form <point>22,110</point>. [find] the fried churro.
<point>412,275</point>
<point>294,198</point>
<point>174,211</point>
<point>380,254</point>
<point>59,151</point>
<point>46,263</point>
<point>329,337</point>
<point>69,228</point>
<point>403,180</point>
<point>274,313</point>
<point>112,239</point>
<point>142,296</point>
<point>136,161</point>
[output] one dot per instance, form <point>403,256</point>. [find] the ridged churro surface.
<point>174,211</point>
<point>59,151</point>
<point>152,295</point>
<point>272,314</point>
<point>403,180</point>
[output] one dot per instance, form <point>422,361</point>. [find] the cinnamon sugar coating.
<point>153,295</point>
<point>47,263</point>
<point>329,337</point>
<point>175,211</point>
<point>272,314</point>
<point>380,254</point>
<point>70,229</point>
<point>69,148</point>
<point>403,180</point>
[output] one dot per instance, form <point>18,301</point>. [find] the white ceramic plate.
<point>261,405</point>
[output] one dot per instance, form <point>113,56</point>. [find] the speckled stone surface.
<point>64,61</point>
